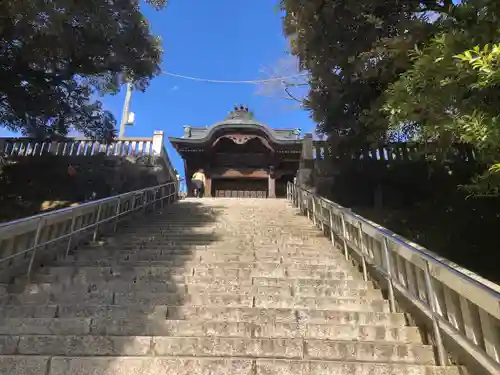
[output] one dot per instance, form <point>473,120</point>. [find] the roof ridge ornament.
<point>240,112</point>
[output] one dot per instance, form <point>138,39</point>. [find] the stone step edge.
<point>235,358</point>
<point>222,337</point>
<point>90,328</point>
<point>302,349</point>
<point>340,342</point>
<point>64,305</point>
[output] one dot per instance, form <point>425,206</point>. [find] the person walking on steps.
<point>198,181</point>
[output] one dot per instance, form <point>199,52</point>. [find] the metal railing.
<point>460,309</point>
<point>25,241</point>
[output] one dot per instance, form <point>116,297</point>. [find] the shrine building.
<point>240,156</point>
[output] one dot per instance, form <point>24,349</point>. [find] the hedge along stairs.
<point>206,287</point>
<point>30,185</point>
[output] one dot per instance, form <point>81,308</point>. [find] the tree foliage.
<point>286,82</point>
<point>57,55</point>
<point>428,70</point>
<point>354,50</point>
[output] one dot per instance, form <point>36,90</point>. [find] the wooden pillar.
<point>271,184</point>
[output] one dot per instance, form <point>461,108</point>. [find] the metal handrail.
<point>462,308</point>
<point>20,237</point>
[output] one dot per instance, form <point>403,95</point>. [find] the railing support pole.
<point>332,232</point>
<point>344,238</point>
<point>117,215</point>
<point>144,200</point>
<point>440,351</point>
<point>96,230</point>
<point>392,300</point>
<point>314,211</point>
<point>71,230</point>
<point>363,251</point>
<point>35,247</point>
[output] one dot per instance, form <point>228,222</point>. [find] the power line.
<point>254,82</point>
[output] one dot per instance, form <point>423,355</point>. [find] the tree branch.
<point>292,96</point>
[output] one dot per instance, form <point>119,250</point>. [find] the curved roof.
<point>201,135</point>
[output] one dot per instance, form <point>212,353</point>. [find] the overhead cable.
<point>254,82</point>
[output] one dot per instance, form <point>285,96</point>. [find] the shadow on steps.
<point>113,296</point>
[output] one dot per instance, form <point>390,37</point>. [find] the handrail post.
<point>117,215</point>
<point>314,210</point>
<point>144,200</point>
<point>344,237</point>
<point>162,197</point>
<point>441,353</point>
<point>387,256</point>
<point>96,230</point>
<point>363,251</point>
<point>332,232</point>
<point>35,247</point>
<point>71,230</point>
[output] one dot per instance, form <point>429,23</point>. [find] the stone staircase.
<point>207,287</point>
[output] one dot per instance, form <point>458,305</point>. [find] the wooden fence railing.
<point>123,147</point>
<point>398,152</point>
<point>75,147</point>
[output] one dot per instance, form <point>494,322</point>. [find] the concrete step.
<point>207,287</point>
<point>37,365</point>
<point>45,326</point>
<point>28,311</point>
<point>254,298</point>
<point>322,303</point>
<point>190,256</point>
<point>159,287</point>
<point>283,315</point>
<point>205,256</point>
<point>92,277</point>
<point>212,313</point>
<point>225,246</point>
<point>195,328</point>
<point>266,281</point>
<point>262,266</point>
<point>92,345</point>
<point>160,273</point>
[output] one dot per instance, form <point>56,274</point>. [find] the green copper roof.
<point>238,119</point>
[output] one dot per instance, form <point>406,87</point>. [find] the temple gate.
<point>240,156</point>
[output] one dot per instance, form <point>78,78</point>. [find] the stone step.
<point>267,281</point>
<point>45,326</point>
<point>282,367</point>
<point>227,247</point>
<point>201,256</point>
<point>212,313</point>
<point>255,298</point>
<point>43,278</point>
<point>278,265</point>
<point>28,311</point>
<point>322,303</point>
<point>309,349</point>
<point>273,315</point>
<point>37,365</point>
<point>197,328</point>
<point>205,256</point>
<point>160,273</point>
<point>347,288</point>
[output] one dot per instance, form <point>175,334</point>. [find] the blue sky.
<point>222,39</point>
